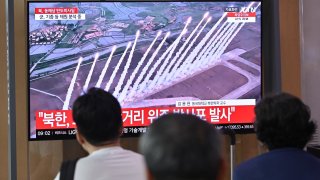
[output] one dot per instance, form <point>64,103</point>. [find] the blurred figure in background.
<point>182,147</point>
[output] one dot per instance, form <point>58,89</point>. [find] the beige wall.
<point>310,58</point>
<point>45,158</point>
<point>290,46</point>
<point>3,95</point>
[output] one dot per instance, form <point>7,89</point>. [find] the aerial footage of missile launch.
<point>147,54</point>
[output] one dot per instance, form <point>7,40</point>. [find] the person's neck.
<point>91,148</point>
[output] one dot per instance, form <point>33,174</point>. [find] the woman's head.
<point>282,121</point>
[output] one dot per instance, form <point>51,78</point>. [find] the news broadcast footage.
<point>202,58</point>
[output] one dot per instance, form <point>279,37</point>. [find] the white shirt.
<point>112,163</point>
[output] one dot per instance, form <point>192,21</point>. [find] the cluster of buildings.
<point>93,32</point>
<point>48,35</point>
<point>96,31</point>
<point>115,29</point>
<point>147,23</point>
<point>54,33</point>
<point>119,25</point>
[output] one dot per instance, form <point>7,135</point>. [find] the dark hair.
<point>97,115</point>
<point>283,120</point>
<point>182,147</point>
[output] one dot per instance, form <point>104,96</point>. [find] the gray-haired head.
<point>181,146</point>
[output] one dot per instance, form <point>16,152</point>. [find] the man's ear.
<point>80,138</point>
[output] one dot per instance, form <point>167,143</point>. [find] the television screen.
<point>155,57</point>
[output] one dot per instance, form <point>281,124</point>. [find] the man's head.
<point>182,147</point>
<point>97,115</point>
<point>283,121</point>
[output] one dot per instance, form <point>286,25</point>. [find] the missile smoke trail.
<point>215,35</point>
<point>85,87</point>
<point>175,71</point>
<point>217,38</point>
<point>224,47</point>
<point>225,43</point>
<point>193,56</point>
<point>117,68</point>
<point>213,42</point>
<point>172,47</point>
<point>204,48</point>
<point>174,61</point>
<point>214,45</point>
<point>227,40</point>
<point>186,64</point>
<point>170,50</point>
<point>134,73</point>
<point>144,70</point>
<point>218,45</point>
<point>104,70</point>
<point>186,43</point>
<point>202,43</point>
<point>126,67</point>
<point>71,86</point>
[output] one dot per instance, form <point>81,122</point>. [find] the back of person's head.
<point>97,115</point>
<point>182,147</point>
<point>283,121</point>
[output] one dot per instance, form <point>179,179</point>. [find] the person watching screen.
<point>283,124</point>
<point>97,115</point>
<point>182,147</point>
